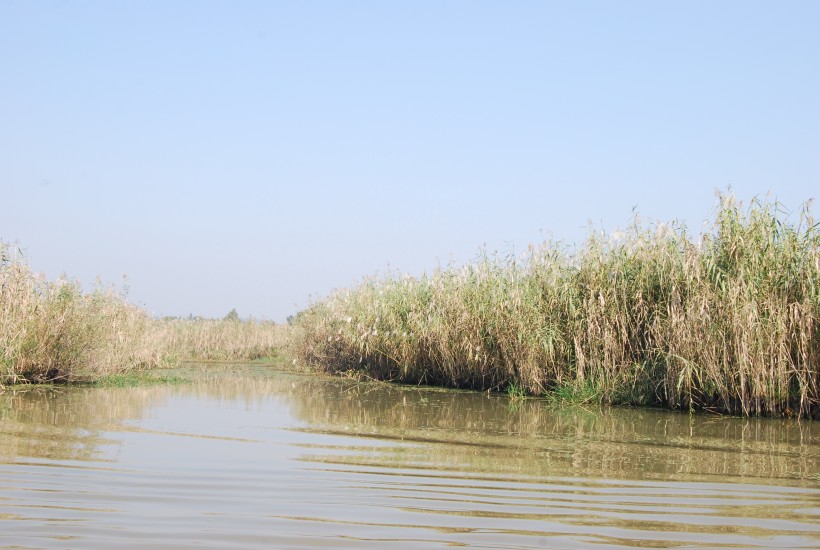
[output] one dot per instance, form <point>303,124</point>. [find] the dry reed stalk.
<point>648,316</point>
<point>51,331</point>
<point>223,340</point>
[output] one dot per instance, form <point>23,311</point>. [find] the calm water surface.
<point>246,457</point>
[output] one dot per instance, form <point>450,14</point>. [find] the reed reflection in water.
<point>247,457</point>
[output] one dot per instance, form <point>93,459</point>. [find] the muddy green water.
<point>246,457</point>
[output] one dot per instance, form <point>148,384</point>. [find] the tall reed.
<point>52,331</point>
<point>728,322</point>
<point>222,340</point>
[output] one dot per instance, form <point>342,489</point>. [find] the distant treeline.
<point>726,322</point>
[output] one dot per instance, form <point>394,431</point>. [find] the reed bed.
<point>52,331</point>
<point>728,322</point>
<point>223,340</point>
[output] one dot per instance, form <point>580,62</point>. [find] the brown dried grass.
<point>726,323</point>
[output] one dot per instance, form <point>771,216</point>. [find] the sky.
<point>259,155</point>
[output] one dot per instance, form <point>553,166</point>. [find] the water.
<point>249,458</point>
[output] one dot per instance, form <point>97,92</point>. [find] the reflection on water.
<point>535,439</point>
<point>246,457</point>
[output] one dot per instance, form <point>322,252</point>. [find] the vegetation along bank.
<point>727,322</point>
<point>51,331</point>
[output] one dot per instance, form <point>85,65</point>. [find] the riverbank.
<point>726,322</point>
<point>53,332</point>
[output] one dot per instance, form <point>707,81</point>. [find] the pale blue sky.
<point>250,154</point>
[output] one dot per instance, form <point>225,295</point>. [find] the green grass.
<point>516,391</point>
<point>134,379</point>
<point>728,321</point>
<point>576,394</point>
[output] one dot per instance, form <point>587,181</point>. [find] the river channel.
<point>249,457</point>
